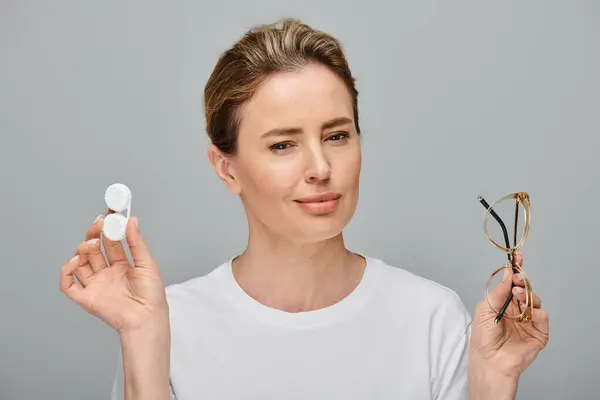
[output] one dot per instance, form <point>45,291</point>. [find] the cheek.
<point>348,168</point>
<point>270,179</point>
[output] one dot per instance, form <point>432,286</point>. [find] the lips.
<point>319,198</point>
<point>320,204</point>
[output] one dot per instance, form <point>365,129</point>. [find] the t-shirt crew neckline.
<point>343,309</point>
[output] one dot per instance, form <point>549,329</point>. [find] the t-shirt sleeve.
<point>118,386</point>
<point>450,344</point>
<point>453,374</point>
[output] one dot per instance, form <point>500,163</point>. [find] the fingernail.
<point>519,289</point>
<point>135,223</point>
<point>93,241</point>
<point>75,258</point>
<point>98,218</point>
<point>519,277</point>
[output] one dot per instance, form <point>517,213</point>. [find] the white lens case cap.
<point>115,226</point>
<point>117,198</point>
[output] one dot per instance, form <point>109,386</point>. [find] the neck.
<point>297,277</point>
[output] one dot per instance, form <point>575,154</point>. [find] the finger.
<point>83,272</point>
<point>520,294</point>
<point>67,282</point>
<point>95,229</point>
<point>115,252</point>
<point>91,251</point>
<point>541,320</point>
<point>138,247</point>
<point>519,259</point>
<point>518,280</point>
<point>499,293</point>
<point>93,232</point>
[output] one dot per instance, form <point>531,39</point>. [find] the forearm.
<point>487,384</point>
<point>146,362</point>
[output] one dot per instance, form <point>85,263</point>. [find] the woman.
<point>297,314</point>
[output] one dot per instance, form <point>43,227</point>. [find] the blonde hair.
<point>285,45</point>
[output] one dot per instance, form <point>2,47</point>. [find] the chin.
<point>313,234</point>
<point>317,228</point>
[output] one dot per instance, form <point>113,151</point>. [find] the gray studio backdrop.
<point>456,99</point>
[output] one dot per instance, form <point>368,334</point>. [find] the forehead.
<point>304,98</point>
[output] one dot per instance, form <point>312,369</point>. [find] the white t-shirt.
<point>396,336</point>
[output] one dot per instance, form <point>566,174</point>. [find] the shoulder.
<point>439,324</point>
<point>420,297</point>
<point>201,290</point>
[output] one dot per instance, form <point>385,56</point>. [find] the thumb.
<point>499,293</point>
<point>137,246</point>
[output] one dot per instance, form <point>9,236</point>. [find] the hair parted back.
<point>285,45</point>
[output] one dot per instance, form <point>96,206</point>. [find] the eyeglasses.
<point>504,206</point>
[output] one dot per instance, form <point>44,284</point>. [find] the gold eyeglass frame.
<point>524,199</point>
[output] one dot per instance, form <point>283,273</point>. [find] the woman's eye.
<point>280,146</point>
<point>338,136</point>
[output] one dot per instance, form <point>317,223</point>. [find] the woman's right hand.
<point>125,297</point>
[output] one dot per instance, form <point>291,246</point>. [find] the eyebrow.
<point>332,123</point>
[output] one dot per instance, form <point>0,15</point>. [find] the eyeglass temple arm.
<point>497,217</point>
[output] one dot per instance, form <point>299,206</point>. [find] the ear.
<point>222,165</point>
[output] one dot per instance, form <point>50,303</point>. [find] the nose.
<point>318,167</point>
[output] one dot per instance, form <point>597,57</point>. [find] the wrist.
<point>155,323</point>
<point>146,353</point>
<point>486,382</point>
<point>148,335</point>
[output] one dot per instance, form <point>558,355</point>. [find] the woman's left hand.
<point>508,347</point>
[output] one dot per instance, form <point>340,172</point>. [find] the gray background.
<point>456,99</point>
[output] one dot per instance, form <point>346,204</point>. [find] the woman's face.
<point>299,158</point>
